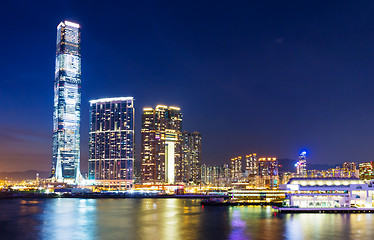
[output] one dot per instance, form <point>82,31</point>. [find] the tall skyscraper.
<point>191,157</point>
<point>236,168</point>
<point>161,145</point>
<point>301,165</point>
<point>111,146</point>
<point>67,103</point>
<point>251,167</point>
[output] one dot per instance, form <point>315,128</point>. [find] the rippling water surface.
<point>169,219</point>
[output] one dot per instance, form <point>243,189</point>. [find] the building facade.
<point>301,165</point>
<point>366,170</point>
<point>268,172</point>
<point>191,157</point>
<point>251,166</point>
<point>67,104</point>
<point>236,169</point>
<point>349,170</point>
<point>111,139</point>
<point>161,145</point>
<point>334,193</point>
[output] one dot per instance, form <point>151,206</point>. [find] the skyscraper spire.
<point>67,103</point>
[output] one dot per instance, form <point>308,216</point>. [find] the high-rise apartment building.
<point>268,172</point>
<point>216,176</point>
<point>191,157</point>
<point>236,168</point>
<point>204,173</point>
<point>67,104</point>
<point>349,170</point>
<point>366,170</point>
<point>161,145</point>
<point>251,166</point>
<point>301,165</point>
<point>111,143</point>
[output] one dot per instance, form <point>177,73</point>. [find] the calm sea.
<point>169,219</point>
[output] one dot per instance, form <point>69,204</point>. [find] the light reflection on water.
<point>168,219</point>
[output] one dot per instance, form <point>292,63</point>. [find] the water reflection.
<point>168,219</point>
<point>69,219</point>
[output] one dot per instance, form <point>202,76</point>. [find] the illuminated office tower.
<point>67,104</point>
<point>111,144</point>
<point>161,145</point>
<point>301,165</point>
<point>236,168</point>
<point>191,157</point>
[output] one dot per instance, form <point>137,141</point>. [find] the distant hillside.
<point>288,165</point>
<point>27,175</point>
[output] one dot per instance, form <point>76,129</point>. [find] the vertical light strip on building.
<point>161,145</point>
<point>67,103</point>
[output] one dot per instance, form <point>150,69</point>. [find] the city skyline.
<point>318,102</point>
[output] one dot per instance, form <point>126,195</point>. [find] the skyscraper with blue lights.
<point>67,103</point>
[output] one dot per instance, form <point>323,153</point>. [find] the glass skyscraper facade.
<point>111,146</point>
<point>67,103</point>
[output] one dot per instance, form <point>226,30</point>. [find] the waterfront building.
<point>256,196</point>
<point>111,140</point>
<point>366,171</point>
<point>236,169</point>
<point>67,104</point>
<point>328,193</point>
<point>191,157</point>
<point>161,145</point>
<point>301,165</point>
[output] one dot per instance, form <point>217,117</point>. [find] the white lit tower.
<point>301,165</point>
<point>67,104</point>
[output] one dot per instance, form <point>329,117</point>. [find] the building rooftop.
<point>112,99</point>
<point>325,181</point>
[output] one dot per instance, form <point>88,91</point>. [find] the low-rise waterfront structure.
<point>328,193</point>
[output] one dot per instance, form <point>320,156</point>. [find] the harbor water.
<point>171,219</point>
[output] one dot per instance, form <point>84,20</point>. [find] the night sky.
<point>273,77</point>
